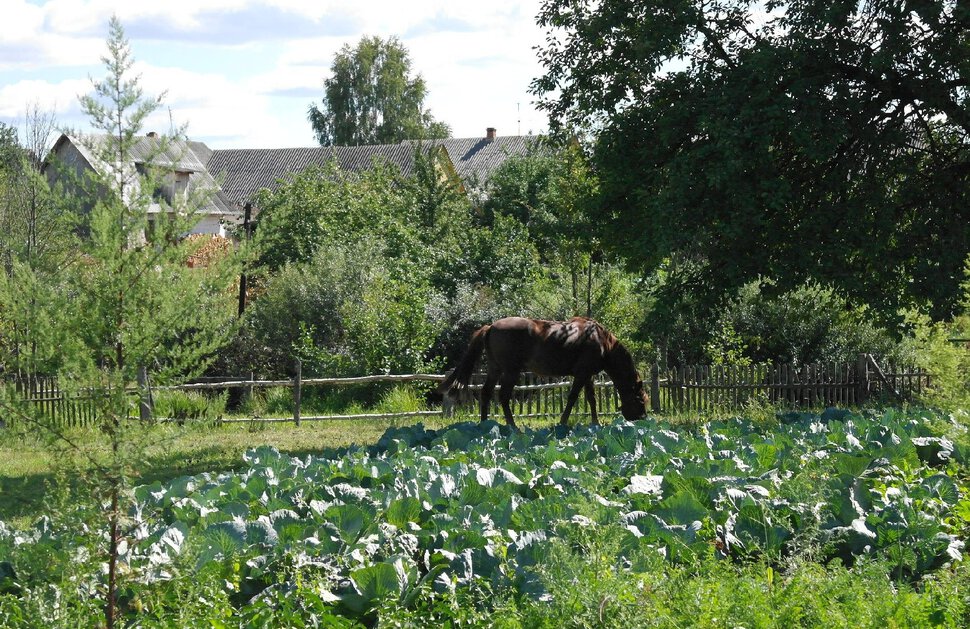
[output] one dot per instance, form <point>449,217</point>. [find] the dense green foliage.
<point>374,272</point>
<point>787,139</point>
<point>371,98</point>
<point>551,526</point>
<point>117,307</point>
<point>808,324</point>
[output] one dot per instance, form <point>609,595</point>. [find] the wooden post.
<point>862,380</point>
<point>145,393</point>
<point>447,405</point>
<point>243,279</point>
<point>655,388</point>
<point>882,377</point>
<point>297,393</point>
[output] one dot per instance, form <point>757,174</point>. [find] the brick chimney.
<point>490,134</point>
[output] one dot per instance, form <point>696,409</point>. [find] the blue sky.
<point>242,73</point>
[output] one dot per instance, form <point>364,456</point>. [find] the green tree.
<point>552,191</point>
<point>372,98</point>
<point>321,207</point>
<point>786,139</point>
<point>35,228</point>
<point>125,305</point>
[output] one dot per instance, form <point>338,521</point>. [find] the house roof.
<point>179,155</point>
<point>246,171</point>
<point>236,175</point>
<point>476,159</point>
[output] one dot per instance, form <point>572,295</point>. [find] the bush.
<point>189,405</point>
<point>948,361</point>
<point>401,399</point>
<point>811,323</point>
<point>349,311</point>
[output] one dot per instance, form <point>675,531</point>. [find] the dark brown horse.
<point>579,347</point>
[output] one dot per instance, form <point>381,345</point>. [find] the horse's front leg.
<point>591,400</point>
<point>505,396</point>
<point>578,384</point>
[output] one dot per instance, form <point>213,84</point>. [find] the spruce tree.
<point>128,304</point>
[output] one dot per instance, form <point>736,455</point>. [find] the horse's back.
<point>552,348</point>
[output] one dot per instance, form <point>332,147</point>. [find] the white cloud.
<point>20,21</point>
<point>60,97</point>
<point>477,59</point>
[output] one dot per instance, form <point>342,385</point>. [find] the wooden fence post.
<point>297,392</point>
<point>655,388</point>
<point>447,405</point>
<point>882,377</point>
<point>862,379</point>
<point>145,405</point>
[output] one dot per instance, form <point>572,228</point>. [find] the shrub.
<point>948,361</point>
<point>349,311</point>
<point>400,399</point>
<point>808,324</point>
<point>189,405</point>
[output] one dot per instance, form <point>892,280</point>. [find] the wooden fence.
<point>692,388</point>
<point>701,388</point>
<point>541,397</point>
<point>43,393</point>
<point>533,397</point>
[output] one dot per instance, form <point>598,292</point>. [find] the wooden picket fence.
<point>730,387</point>
<point>690,388</point>
<point>44,395</point>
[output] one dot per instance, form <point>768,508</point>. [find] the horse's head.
<point>633,402</point>
<point>622,370</point>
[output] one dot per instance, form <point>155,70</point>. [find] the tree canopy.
<point>372,98</point>
<point>786,139</point>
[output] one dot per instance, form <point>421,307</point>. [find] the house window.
<point>181,182</point>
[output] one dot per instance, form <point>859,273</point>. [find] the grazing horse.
<point>579,347</point>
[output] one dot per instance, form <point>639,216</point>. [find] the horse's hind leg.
<point>591,400</point>
<point>488,388</point>
<point>505,396</point>
<point>578,384</point>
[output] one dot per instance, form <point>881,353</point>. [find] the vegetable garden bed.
<point>426,513</point>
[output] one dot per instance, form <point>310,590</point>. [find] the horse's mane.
<point>618,359</point>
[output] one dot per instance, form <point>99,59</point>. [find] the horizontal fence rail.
<point>688,388</point>
<point>541,397</point>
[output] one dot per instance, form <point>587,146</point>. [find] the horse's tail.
<point>461,375</point>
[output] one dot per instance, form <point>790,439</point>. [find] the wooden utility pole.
<point>297,391</point>
<point>862,380</point>
<point>146,404</point>
<point>247,231</point>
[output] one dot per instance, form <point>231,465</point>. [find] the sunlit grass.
<point>27,464</point>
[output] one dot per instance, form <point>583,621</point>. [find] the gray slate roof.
<point>243,172</point>
<point>246,171</point>
<point>476,159</point>
<point>178,155</point>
